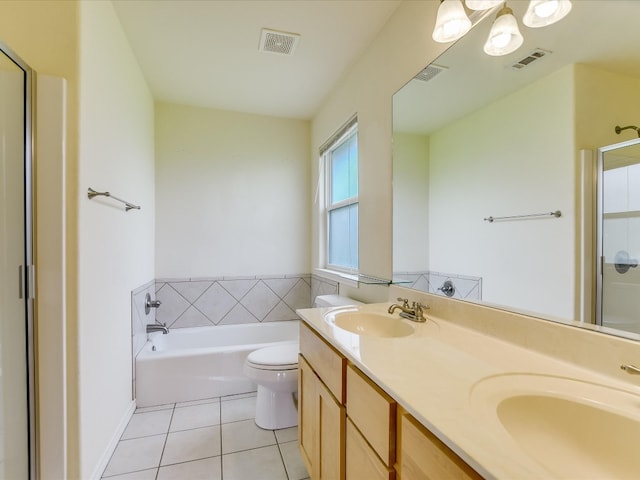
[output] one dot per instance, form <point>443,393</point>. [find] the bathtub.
<point>202,362</point>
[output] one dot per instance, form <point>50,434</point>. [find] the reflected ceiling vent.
<point>537,54</point>
<point>430,72</point>
<point>282,43</point>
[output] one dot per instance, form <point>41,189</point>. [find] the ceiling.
<point>602,34</point>
<point>205,52</point>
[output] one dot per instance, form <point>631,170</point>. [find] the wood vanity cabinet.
<point>321,411</point>
<point>424,457</point>
<point>350,429</point>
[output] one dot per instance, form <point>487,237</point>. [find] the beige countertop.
<point>447,377</point>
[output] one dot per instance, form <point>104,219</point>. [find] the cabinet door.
<point>307,408</point>
<point>331,423</point>
<point>424,457</point>
<point>362,461</point>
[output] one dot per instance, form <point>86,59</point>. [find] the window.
<point>341,160</point>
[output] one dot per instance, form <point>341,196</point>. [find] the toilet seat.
<point>280,357</point>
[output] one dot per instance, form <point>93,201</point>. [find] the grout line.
<point>166,438</point>
<point>284,464</point>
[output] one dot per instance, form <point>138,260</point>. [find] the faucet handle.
<point>405,302</point>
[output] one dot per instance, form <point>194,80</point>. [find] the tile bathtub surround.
<point>467,288</point>
<point>322,286</point>
<point>224,301</point>
<point>139,320</point>
<point>209,439</point>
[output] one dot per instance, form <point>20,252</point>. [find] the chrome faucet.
<point>415,312</point>
<point>157,327</point>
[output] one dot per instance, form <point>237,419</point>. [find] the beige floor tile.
<point>245,435</point>
<point>166,406</point>
<point>293,463</point>
<point>195,416</point>
<point>205,469</point>
<point>141,475</point>
<point>261,463</point>
<point>148,423</point>
<point>198,402</point>
<point>136,454</point>
<point>285,435</point>
<point>190,445</point>
<point>238,395</point>
<point>238,409</point>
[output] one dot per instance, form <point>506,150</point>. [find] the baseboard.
<point>111,447</point>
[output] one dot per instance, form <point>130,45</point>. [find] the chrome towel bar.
<point>556,214</point>
<point>91,193</point>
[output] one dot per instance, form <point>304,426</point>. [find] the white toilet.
<point>275,371</point>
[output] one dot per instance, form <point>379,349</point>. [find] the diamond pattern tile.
<point>215,303</point>
<point>299,296</point>
<point>260,300</point>
<point>191,290</point>
<point>238,315</point>
<point>173,305</point>
<point>281,286</point>
<point>238,288</point>
<point>192,318</point>
<point>280,312</point>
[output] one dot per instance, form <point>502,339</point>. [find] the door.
<point>16,340</point>
<point>618,296</point>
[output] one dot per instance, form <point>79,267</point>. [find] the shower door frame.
<point>600,222</point>
<point>27,279</point>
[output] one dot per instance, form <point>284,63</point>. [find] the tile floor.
<point>209,439</point>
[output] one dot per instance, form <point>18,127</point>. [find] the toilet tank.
<point>334,301</point>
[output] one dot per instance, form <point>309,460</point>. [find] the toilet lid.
<point>283,356</point>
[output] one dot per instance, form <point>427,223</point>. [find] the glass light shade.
<point>451,23</point>
<point>504,37</point>
<point>541,13</point>
<point>482,4</point>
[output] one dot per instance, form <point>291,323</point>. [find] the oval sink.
<point>369,324</point>
<point>573,429</point>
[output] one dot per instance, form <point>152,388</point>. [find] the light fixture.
<point>541,13</point>
<point>452,22</point>
<point>482,4</point>
<point>504,37</point>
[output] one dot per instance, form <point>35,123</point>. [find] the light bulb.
<point>482,4</point>
<point>504,37</point>
<point>541,13</point>
<point>451,23</point>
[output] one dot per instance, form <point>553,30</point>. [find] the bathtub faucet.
<point>157,327</point>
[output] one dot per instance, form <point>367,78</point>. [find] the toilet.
<point>275,371</point>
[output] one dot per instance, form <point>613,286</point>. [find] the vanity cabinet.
<point>350,429</point>
<point>321,411</point>
<point>424,457</point>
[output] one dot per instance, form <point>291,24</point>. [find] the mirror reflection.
<point>510,137</point>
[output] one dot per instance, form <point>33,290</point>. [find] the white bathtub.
<point>202,362</point>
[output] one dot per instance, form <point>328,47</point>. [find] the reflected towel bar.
<point>556,214</point>
<point>91,193</point>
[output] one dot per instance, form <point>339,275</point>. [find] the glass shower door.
<point>15,342</point>
<point>619,236</point>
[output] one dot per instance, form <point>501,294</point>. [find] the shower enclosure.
<point>17,428</point>
<point>618,274</point>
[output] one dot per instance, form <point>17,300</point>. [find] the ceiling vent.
<point>537,54</point>
<point>282,43</point>
<point>430,72</point>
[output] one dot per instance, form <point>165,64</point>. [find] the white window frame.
<point>337,140</point>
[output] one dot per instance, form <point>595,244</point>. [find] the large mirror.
<point>482,145</point>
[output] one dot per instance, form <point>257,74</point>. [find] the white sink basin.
<point>573,429</point>
<point>369,323</point>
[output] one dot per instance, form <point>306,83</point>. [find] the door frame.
<point>599,257</point>
<point>28,278</point>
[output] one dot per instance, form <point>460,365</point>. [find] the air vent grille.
<point>430,72</point>
<point>282,43</point>
<point>537,54</point>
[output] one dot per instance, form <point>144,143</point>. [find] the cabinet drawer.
<point>425,457</point>
<point>328,364</point>
<point>362,462</point>
<point>373,412</point>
